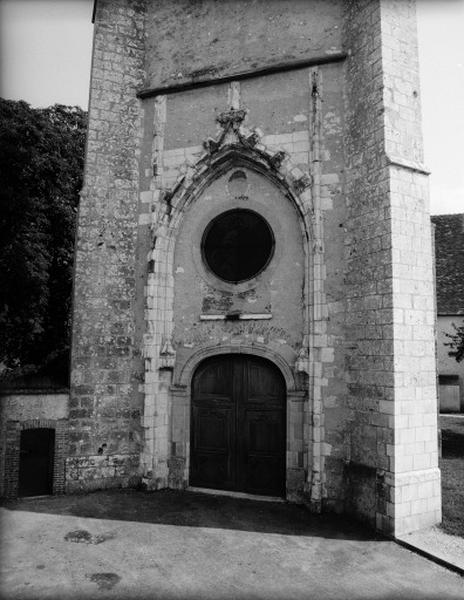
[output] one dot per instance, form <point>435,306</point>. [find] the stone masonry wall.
<point>415,499</point>
<point>105,405</point>
<point>343,142</point>
<point>369,328</point>
<point>390,470</point>
<point>201,40</point>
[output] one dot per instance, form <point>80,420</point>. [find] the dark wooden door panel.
<point>263,384</point>
<point>214,377</point>
<point>36,462</point>
<point>265,475</point>
<point>264,432</point>
<point>212,429</point>
<point>238,425</point>
<point>264,452</point>
<point>212,459</point>
<point>211,470</point>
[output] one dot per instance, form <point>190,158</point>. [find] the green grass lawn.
<point>452,474</point>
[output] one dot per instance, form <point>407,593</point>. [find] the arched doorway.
<point>36,461</point>
<point>238,421</point>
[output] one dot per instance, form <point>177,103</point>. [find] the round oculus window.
<point>237,245</point>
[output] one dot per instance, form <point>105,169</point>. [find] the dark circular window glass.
<point>237,245</point>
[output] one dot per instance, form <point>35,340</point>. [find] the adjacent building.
<point>449,258</point>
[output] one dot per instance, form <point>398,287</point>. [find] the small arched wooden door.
<point>237,428</point>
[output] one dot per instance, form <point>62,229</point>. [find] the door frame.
<point>12,454</point>
<point>50,460</point>
<point>238,406</point>
<point>296,460</point>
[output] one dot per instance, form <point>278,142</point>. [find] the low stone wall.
<point>87,473</point>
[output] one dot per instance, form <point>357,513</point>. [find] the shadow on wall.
<point>188,509</point>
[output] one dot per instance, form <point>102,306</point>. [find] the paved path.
<point>439,544</point>
<point>180,545</point>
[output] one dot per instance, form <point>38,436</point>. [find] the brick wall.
<point>20,411</point>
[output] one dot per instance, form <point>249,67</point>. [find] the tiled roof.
<point>449,257</point>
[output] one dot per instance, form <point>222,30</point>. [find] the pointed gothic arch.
<point>185,371</point>
<point>274,165</point>
<point>234,148</point>
<point>174,203</point>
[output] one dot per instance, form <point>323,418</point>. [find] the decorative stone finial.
<point>302,183</point>
<point>231,118</point>
<point>277,159</point>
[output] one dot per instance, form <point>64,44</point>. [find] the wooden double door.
<point>238,424</point>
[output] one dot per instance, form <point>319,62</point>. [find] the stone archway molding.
<point>184,372</point>
<point>235,146</point>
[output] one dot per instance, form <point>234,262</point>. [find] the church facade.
<point>254,304</point>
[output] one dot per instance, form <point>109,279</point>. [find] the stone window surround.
<point>215,211</point>
<point>235,210</point>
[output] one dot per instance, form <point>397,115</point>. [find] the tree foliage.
<point>457,342</point>
<point>41,168</point>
